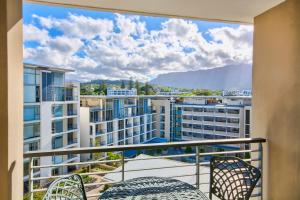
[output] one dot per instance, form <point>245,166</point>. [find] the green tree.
<point>131,84</point>
<point>202,92</point>
<point>188,150</point>
<point>137,87</point>
<point>147,88</point>
<point>103,88</point>
<point>123,84</point>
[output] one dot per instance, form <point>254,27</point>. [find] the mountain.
<point>222,78</point>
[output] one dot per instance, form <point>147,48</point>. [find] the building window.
<point>162,109</point>
<point>53,86</point>
<point>31,85</point>
<point>33,146</point>
<point>109,127</point>
<point>57,142</point>
<point>31,130</point>
<point>233,120</point>
<point>247,116</point>
<point>31,113</point>
<point>55,172</point>
<point>57,126</point>
<point>57,110</point>
<point>233,111</point>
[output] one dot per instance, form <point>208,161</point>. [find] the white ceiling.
<point>240,11</point>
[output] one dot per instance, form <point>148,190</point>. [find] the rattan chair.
<point>232,178</point>
<point>68,188</point>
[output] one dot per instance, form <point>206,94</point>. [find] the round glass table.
<point>153,188</point>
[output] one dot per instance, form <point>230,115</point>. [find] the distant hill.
<point>222,78</point>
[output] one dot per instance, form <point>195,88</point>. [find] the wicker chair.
<point>69,188</point>
<point>232,178</point>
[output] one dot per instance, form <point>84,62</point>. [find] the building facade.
<point>198,118</point>
<point>121,92</point>
<point>51,116</point>
<point>115,120</point>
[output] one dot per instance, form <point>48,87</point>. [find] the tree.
<point>137,87</point>
<point>202,92</point>
<point>123,84</point>
<point>130,84</point>
<point>147,89</point>
<point>188,150</point>
<point>103,88</point>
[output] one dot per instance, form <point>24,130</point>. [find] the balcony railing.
<point>196,158</point>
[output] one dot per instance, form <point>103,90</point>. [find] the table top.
<point>153,188</point>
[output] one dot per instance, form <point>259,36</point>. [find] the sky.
<point>103,45</point>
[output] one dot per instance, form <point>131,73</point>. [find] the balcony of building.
<point>188,162</point>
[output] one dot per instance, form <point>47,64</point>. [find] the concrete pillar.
<point>11,100</point>
<point>276,97</point>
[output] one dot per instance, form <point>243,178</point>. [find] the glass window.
<point>247,116</point>
<point>233,120</point>
<point>31,130</point>
<point>57,159</point>
<point>31,93</point>
<point>59,94</point>
<point>233,111</point>
<point>57,126</point>
<point>109,127</point>
<point>31,113</point>
<point>31,77</point>
<point>57,142</point>
<point>57,110</point>
<point>58,79</point>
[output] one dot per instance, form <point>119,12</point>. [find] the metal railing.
<point>198,158</point>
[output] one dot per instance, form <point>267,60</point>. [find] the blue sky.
<point>116,46</point>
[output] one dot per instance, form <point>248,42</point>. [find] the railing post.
<point>260,155</point>
<point>197,167</point>
<point>123,166</point>
<point>30,182</point>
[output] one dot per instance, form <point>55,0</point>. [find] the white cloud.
<point>33,33</point>
<point>124,48</point>
<point>78,26</point>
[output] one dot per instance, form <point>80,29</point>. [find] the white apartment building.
<point>197,118</point>
<point>51,116</point>
<point>115,120</point>
<point>121,92</point>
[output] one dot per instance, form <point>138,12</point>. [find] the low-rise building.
<point>116,120</point>
<point>198,118</point>
<point>118,92</point>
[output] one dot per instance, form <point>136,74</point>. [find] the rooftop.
<point>47,68</point>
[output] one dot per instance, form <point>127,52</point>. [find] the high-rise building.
<point>115,120</point>
<point>51,116</point>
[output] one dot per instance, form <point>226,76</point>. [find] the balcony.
<point>72,127</point>
<point>100,132</point>
<point>71,98</point>
<point>72,112</point>
<point>72,141</point>
<point>188,166</point>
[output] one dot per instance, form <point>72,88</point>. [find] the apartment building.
<point>121,92</point>
<point>197,118</point>
<point>115,120</point>
<point>51,116</point>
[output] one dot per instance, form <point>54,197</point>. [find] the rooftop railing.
<point>193,154</point>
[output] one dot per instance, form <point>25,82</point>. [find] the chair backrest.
<point>232,178</point>
<point>67,188</point>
